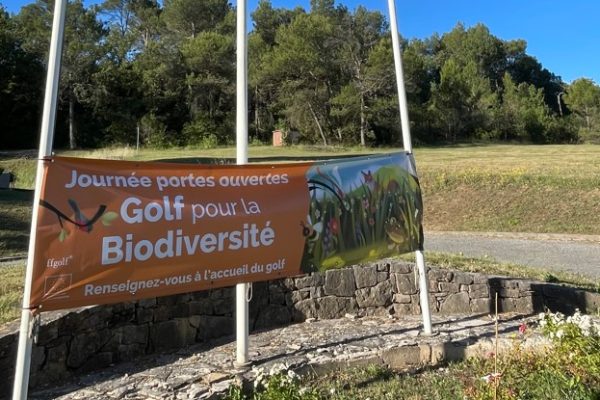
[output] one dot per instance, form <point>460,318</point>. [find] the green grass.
<point>501,188</point>
<point>15,217</point>
<point>491,267</point>
<point>11,291</point>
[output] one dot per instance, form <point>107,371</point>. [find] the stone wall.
<point>75,342</point>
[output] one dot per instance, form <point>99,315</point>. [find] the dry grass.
<point>11,291</point>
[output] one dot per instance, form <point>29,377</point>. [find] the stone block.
<point>147,303</point>
<point>456,303</point>
<point>84,346</point>
<point>304,309</point>
<point>298,295</point>
<point>213,327</point>
<point>314,279</point>
<point>201,307</point>
<point>448,287</point>
<point>144,315</point>
<point>172,334</point>
<point>481,306</point>
<point>273,315</point>
<point>223,306</point>
<point>97,361</point>
<point>462,278</point>
<point>399,267</point>
<point>127,352</point>
<point>440,275</point>
<point>479,291</point>
<point>331,307</point>
<point>402,357</point>
<point>276,295</point>
<point>406,309</point>
<point>317,292</point>
<point>379,295</point>
<point>590,301</point>
<point>402,298</point>
<point>135,334</point>
<point>503,292</point>
<point>480,278</point>
<point>365,276</point>
<point>525,305</point>
<point>47,333</point>
<point>340,282</point>
<point>404,284</point>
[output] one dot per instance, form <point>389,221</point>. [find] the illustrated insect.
<point>310,231</point>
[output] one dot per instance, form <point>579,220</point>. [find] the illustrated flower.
<point>333,226</point>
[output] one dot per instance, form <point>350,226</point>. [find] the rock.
<point>402,298</point>
<point>330,307</point>
<point>365,276</point>
<point>172,334</point>
<point>400,267</point>
<point>216,327</point>
<point>462,278</point>
<point>456,303</point>
<point>402,357</point>
<point>448,287</point>
<point>379,295</point>
<point>441,275</point>
<point>404,284</point>
<point>201,307</point>
<point>479,291</point>
<point>305,310</point>
<point>317,292</point>
<point>298,295</point>
<point>273,315</point>
<point>340,282</point>
<point>135,334</point>
<point>84,346</point>
<point>314,279</point>
<point>481,306</point>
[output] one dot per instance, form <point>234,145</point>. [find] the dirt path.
<point>572,253</point>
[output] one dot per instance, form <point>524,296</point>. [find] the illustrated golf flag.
<point>111,231</point>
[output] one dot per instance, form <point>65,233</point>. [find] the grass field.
<point>498,188</point>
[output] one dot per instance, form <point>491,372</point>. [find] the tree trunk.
<point>72,141</point>
<point>318,124</point>
<point>362,120</point>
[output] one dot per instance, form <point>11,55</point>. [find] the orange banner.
<point>111,231</point>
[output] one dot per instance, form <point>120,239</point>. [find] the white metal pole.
<point>407,143</point>
<point>241,289</point>
<point>23,362</point>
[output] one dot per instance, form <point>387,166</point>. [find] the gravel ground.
<point>571,253</point>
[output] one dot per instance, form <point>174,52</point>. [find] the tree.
<point>301,65</point>
<point>583,98</point>
<point>523,113</point>
<point>21,81</point>
<point>463,101</point>
<point>81,50</point>
<point>360,33</point>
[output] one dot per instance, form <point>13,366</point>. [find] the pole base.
<point>242,365</point>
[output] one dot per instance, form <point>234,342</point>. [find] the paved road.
<point>572,253</point>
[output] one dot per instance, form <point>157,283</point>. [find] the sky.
<point>564,36</point>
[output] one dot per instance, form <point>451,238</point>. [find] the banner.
<point>111,231</point>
